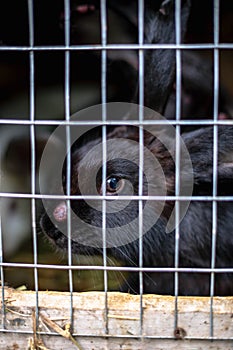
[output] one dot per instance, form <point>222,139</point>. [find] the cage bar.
<point>112,320</point>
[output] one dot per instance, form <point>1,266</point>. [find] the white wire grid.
<point>67,48</point>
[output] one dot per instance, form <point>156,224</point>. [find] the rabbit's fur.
<point>195,243</point>
<point>159,246</point>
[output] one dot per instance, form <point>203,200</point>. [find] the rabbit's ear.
<point>160,63</point>
<point>200,145</point>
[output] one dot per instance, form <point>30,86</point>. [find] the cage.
<point>105,83</point>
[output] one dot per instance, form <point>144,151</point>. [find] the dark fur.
<point>196,227</point>
<point>196,72</point>
<point>197,91</point>
<point>160,63</point>
<point>158,246</point>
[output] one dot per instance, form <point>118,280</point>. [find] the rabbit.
<point>158,245</point>
<point>122,178</point>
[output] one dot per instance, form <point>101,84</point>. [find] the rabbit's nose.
<point>60,212</point>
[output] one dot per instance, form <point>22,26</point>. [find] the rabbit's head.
<point>119,178</point>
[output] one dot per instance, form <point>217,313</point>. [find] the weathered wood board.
<point>117,329</point>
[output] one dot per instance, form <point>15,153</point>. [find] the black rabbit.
<point>122,178</point>
<point>158,245</point>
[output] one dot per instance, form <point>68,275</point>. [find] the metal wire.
<point>123,268</point>
<point>103,14</point>
<point>68,147</point>
<point>33,153</point>
<point>141,151</point>
<point>177,156</point>
<point>118,47</point>
<point>126,198</point>
<point>2,279</point>
<point>215,161</point>
<point>187,122</point>
<point>104,48</point>
<point>128,336</point>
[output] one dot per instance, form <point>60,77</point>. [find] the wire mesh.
<point>104,49</point>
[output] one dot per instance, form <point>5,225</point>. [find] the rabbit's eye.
<point>114,185</point>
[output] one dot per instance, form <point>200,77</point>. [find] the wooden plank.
<point>123,318</point>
